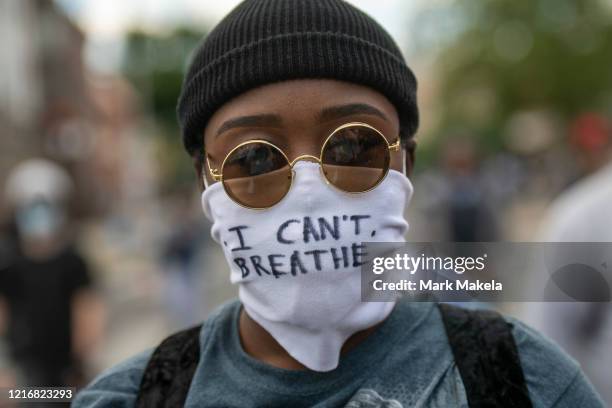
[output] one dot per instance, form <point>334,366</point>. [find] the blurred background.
<point>99,198</point>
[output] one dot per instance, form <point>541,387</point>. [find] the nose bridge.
<point>306,157</point>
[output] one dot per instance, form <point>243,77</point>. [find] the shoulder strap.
<point>168,374</point>
<point>486,356</point>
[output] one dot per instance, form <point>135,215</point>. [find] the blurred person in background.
<point>590,138</point>
<point>584,214</point>
<point>50,314</point>
<point>456,196</point>
<point>183,248</point>
<point>302,136</point>
<point>470,219</point>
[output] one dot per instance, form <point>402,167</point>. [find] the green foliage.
<point>155,64</point>
<point>512,55</point>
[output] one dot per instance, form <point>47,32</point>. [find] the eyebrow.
<point>261,120</point>
<point>326,114</point>
<point>336,112</point>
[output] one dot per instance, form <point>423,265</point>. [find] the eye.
<point>253,159</point>
<point>260,159</point>
<point>348,145</point>
<point>356,146</point>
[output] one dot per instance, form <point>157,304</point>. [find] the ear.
<point>410,147</point>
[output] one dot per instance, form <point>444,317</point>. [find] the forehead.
<point>299,102</point>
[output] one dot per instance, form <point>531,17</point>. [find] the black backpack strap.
<point>168,374</point>
<point>486,356</point>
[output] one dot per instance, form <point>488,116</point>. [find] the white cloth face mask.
<point>297,263</point>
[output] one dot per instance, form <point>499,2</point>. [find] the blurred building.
<point>51,106</point>
<point>41,79</point>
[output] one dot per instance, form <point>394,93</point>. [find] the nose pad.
<point>311,159</point>
<point>305,157</point>
<point>306,176</point>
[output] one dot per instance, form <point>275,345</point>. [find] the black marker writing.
<point>337,259</point>
<point>358,253</point>
<point>324,225</point>
<point>281,229</point>
<point>296,262</point>
<point>238,230</point>
<point>357,218</point>
<point>274,265</point>
<point>242,265</point>
<point>256,261</point>
<point>316,253</point>
<point>309,230</point>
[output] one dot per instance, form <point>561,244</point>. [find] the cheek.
<point>396,161</point>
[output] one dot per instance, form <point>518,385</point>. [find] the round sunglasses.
<point>257,174</point>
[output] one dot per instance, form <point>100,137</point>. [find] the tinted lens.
<point>355,158</point>
<point>256,175</point>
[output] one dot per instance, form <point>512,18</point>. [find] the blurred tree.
<point>155,64</point>
<point>498,57</point>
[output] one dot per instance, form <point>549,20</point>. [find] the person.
<point>300,117</point>
<point>184,246</point>
<point>51,313</point>
<point>584,329</point>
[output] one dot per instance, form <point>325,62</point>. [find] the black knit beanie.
<point>265,41</point>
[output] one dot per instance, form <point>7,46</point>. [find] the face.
<point>297,116</point>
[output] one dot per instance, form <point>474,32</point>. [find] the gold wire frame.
<point>218,176</point>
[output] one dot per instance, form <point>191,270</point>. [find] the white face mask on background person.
<point>297,263</point>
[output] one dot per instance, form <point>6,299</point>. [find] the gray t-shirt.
<point>406,362</point>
